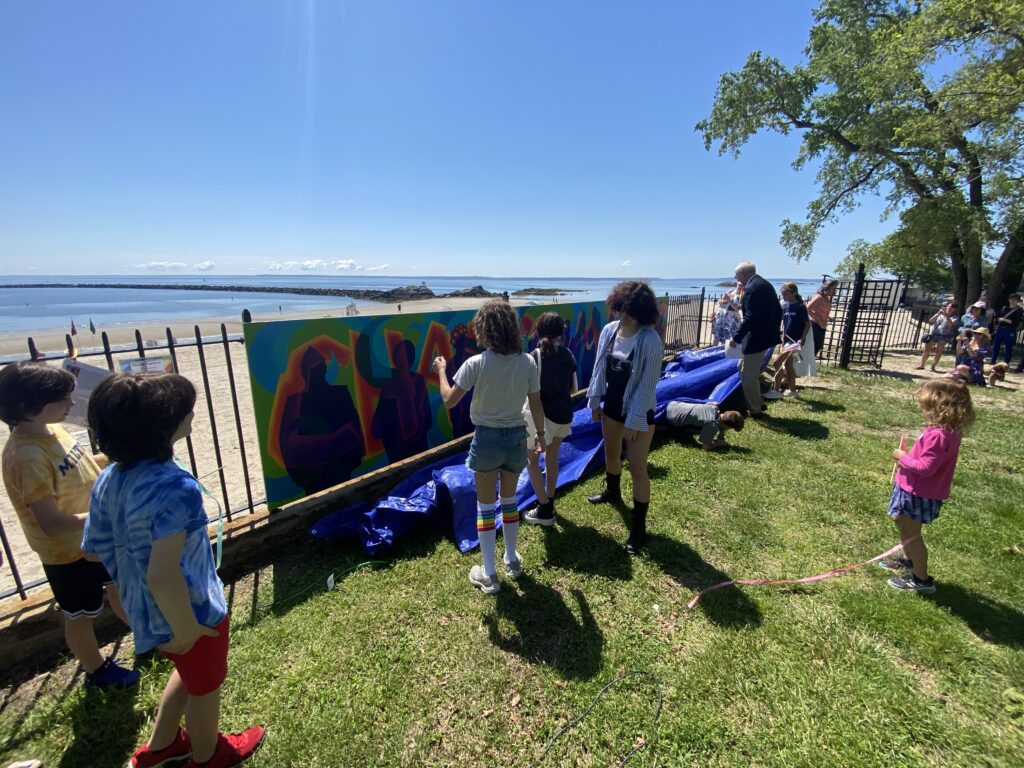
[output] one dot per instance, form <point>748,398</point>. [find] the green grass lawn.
<point>407,665</point>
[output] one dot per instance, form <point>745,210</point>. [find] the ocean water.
<point>47,308</point>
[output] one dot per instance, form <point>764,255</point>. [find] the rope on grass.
<point>579,718</point>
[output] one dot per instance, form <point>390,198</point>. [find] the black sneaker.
<point>542,514</point>
<point>910,583</point>
<point>896,564</point>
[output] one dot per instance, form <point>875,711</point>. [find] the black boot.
<point>638,531</point>
<point>612,493</point>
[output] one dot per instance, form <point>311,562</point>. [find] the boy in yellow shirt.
<point>49,480</point>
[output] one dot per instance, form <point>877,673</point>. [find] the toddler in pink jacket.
<point>924,475</point>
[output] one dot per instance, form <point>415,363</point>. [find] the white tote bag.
<point>804,363</point>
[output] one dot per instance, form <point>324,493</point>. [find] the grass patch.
<point>407,665</point>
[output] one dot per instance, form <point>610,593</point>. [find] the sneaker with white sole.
<point>772,394</point>
<point>542,514</point>
<point>791,393</point>
<point>910,583</point>
<point>514,567</point>
<point>901,564</point>
<point>486,584</point>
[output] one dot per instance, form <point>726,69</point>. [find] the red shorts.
<point>204,668</point>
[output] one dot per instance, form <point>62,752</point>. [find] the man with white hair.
<point>759,332</point>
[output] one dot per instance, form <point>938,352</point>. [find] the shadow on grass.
<point>105,726</point>
<point>803,429</point>
<point>728,607</point>
<point>547,631</point>
<point>692,440</point>
<point>989,619</point>
<point>583,549</point>
<point>820,406</point>
<point>877,373</point>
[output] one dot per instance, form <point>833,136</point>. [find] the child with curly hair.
<point>501,378</point>
<point>924,475</point>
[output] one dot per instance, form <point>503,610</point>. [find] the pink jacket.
<point>927,468</point>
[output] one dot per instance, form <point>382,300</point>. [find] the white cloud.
<point>377,268</point>
<point>275,266</point>
<point>345,264</point>
<point>626,263</point>
<point>204,266</point>
<point>162,266</point>
<point>313,265</point>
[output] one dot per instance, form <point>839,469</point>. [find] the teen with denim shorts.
<point>148,526</point>
<point>501,378</point>
<point>49,478</point>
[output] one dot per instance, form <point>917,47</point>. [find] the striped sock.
<point>510,527</point>
<point>485,532</point>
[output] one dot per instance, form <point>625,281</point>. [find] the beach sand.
<point>238,455</point>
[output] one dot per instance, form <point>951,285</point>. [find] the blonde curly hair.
<point>946,403</point>
<point>496,327</point>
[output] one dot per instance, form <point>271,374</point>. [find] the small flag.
<point>74,331</point>
<point>92,326</point>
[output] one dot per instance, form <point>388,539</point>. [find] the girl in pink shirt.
<point>924,475</point>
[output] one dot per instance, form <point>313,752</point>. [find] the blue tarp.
<point>443,493</point>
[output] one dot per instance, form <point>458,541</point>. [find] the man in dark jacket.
<point>759,331</point>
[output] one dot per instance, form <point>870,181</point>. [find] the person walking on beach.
<point>147,525</point>
<point>49,478</point>
<point>757,333</point>
<point>501,378</point>
<point>558,383</point>
<point>626,372</point>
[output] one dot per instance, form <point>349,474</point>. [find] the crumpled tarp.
<point>443,494</point>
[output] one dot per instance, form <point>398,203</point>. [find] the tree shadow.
<point>547,632</point>
<point>583,549</point>
<point>820,406</point>
<point>879,373</point>
<point>727,607</point>
<point>803,429</point>
<point>989,619</point>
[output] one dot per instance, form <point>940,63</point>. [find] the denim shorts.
<point>497,448</point>
<point>915,507</point>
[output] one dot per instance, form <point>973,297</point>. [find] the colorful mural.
<point>335,398</point>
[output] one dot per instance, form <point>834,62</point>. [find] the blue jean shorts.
<point>497,448</point>
<point>915,507</point>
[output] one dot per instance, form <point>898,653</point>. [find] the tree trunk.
<point>956,263</point>
<point>1008,271</point>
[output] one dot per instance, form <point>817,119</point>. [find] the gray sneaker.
<point>488,585</point>
<point>772,394</point>
<point>896,564</point>
<point>514,568</point>
<point>910,583</point>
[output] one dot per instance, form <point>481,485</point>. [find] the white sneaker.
<point>772,394</point>
<point>513,567</point>
<point>485,583</point>
<point>791,393</point>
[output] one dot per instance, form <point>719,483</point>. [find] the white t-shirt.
<point>500,384</point>
<point>622,348</point>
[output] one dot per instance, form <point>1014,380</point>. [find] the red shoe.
<point>233,749</point>
<point>177,751</point>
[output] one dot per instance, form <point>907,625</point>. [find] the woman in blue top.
<point>626,372</point>
<point>795,326</point>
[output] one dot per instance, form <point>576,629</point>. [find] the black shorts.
<point>613,410</point>
<point>78,587</point>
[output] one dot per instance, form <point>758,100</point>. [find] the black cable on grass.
<point>579,718</point>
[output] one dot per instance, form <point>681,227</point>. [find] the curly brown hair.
<point>636,299</point>
<point>496,326</point>
<point>946,403</point>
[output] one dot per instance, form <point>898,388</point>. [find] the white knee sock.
<point>485,532</point>
<point>510,527</point>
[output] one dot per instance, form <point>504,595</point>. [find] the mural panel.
<point>335,398</point>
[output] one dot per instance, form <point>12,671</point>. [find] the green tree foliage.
<point>919,101</point>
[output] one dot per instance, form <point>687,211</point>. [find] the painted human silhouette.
<point>461,352</point>
<point>321,439</point>
<point>402,418</point>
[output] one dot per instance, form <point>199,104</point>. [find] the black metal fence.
<point>219,449</point>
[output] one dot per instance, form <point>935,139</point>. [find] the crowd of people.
<point>135,532</point>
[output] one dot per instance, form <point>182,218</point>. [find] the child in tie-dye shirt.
<point>147,524</point>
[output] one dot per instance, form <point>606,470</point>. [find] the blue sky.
<point>505,138</point>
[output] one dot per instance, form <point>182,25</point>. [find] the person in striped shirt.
<point>621,397</point>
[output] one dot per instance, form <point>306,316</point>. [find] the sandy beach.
<point>238,454</point>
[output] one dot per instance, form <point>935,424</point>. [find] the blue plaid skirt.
<point>916,508</point>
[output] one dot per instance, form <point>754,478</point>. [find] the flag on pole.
<point>92,326</point>
<point>74,331</point>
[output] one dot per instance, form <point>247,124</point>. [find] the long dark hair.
<point>550,331</point>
